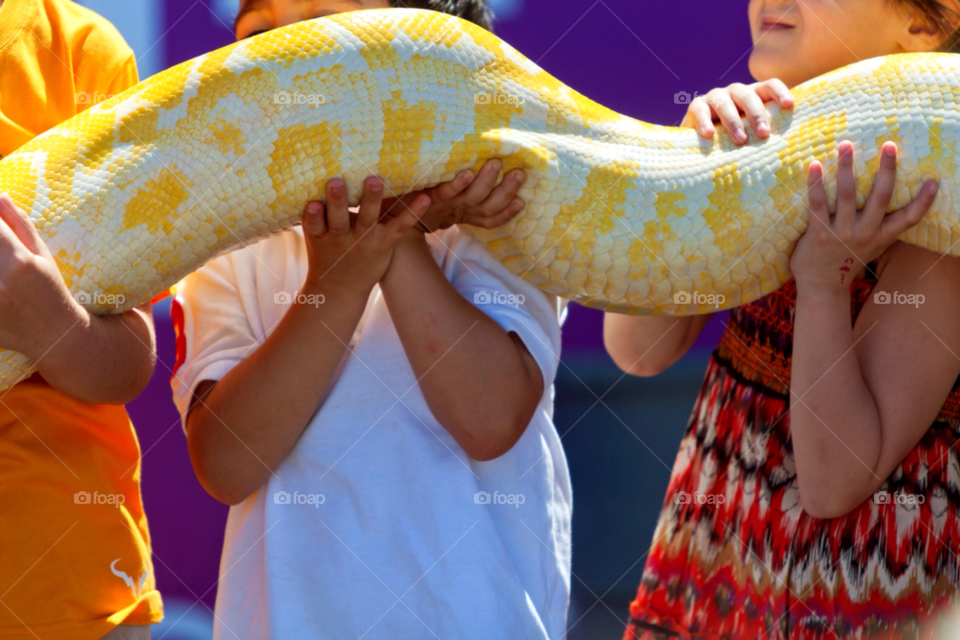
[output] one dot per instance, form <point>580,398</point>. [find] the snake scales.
<point>138,191</point>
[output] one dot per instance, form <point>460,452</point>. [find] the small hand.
<point>36,308</point>
<point>349,254</point>
<point>834,248</point>
<point>726,105</point>
<point>464,200</point>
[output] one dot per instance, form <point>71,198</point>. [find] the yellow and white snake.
<point>142,189</point>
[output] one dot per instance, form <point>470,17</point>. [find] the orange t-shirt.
<point>75,556</point>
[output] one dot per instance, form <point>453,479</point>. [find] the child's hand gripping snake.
<point>138,191</point>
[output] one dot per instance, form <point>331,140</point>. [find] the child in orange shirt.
<point>75,558</point>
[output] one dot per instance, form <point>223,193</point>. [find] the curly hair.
<point>475,11</point>
<point>939,15</point>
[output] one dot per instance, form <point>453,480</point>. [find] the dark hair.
<point>944,18</point>
<point>475,11</point>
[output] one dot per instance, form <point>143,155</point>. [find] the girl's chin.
<point>767,65</point>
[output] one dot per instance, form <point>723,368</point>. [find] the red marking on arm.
<point>432,346</point>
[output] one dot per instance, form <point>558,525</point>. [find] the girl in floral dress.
<point>816,493</point>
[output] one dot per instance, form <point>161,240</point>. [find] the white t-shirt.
<point>378,525</point>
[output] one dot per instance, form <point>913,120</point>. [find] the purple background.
<point>630,56</point>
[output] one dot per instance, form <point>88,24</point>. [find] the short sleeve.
<point>126,77</point>
<point>212,327</point>
<point>104,65</point>
<point>513,303</point>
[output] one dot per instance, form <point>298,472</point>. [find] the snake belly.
<point>140,190</point>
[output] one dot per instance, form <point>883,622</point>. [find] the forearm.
<point>646,345</point>
<point>461,357</point>
<point>101,360</point>
<point>251,419</point>
<point>834,419</point>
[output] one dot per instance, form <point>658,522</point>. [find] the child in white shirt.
<point>374,398</point>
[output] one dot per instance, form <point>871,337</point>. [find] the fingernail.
<point>314,207</point>
<point>466,176</point>
<point>516,205</point>
<point>496,165</point>
<point>933,187</point>
<point>741,134</point>
<point>517,177</point>
<point>762,127</point>
<point>375,185</point>
<point>337,185</point>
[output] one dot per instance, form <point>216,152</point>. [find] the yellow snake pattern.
<point>138,191</point>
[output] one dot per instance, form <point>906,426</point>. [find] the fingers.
<point>899,221</point>
<point>846,188</point>
<point>408,218</point>
<point>491,222</point>
<point>314,223</point>
<point>700,117</point>
<point>752,105</point>
<point>776,91</point>
<point>503,196</point>
<point>729,114</point>
<point>482,185</point>
<point>453,188</point>
<point>727,105</point>
<point>370,203</point>
<point>817,199</point>
<point>338,214</point>
<point>9,240</point>
<point>880,196</point>
<point>20,224</point>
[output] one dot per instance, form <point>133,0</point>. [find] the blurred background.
<point>643,59</point>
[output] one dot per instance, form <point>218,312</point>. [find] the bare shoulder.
<point>905,260</point>
<point>916,288</point>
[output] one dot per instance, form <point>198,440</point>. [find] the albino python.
<point>140,190</point>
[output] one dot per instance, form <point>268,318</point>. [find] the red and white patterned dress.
<point>757,566</point>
